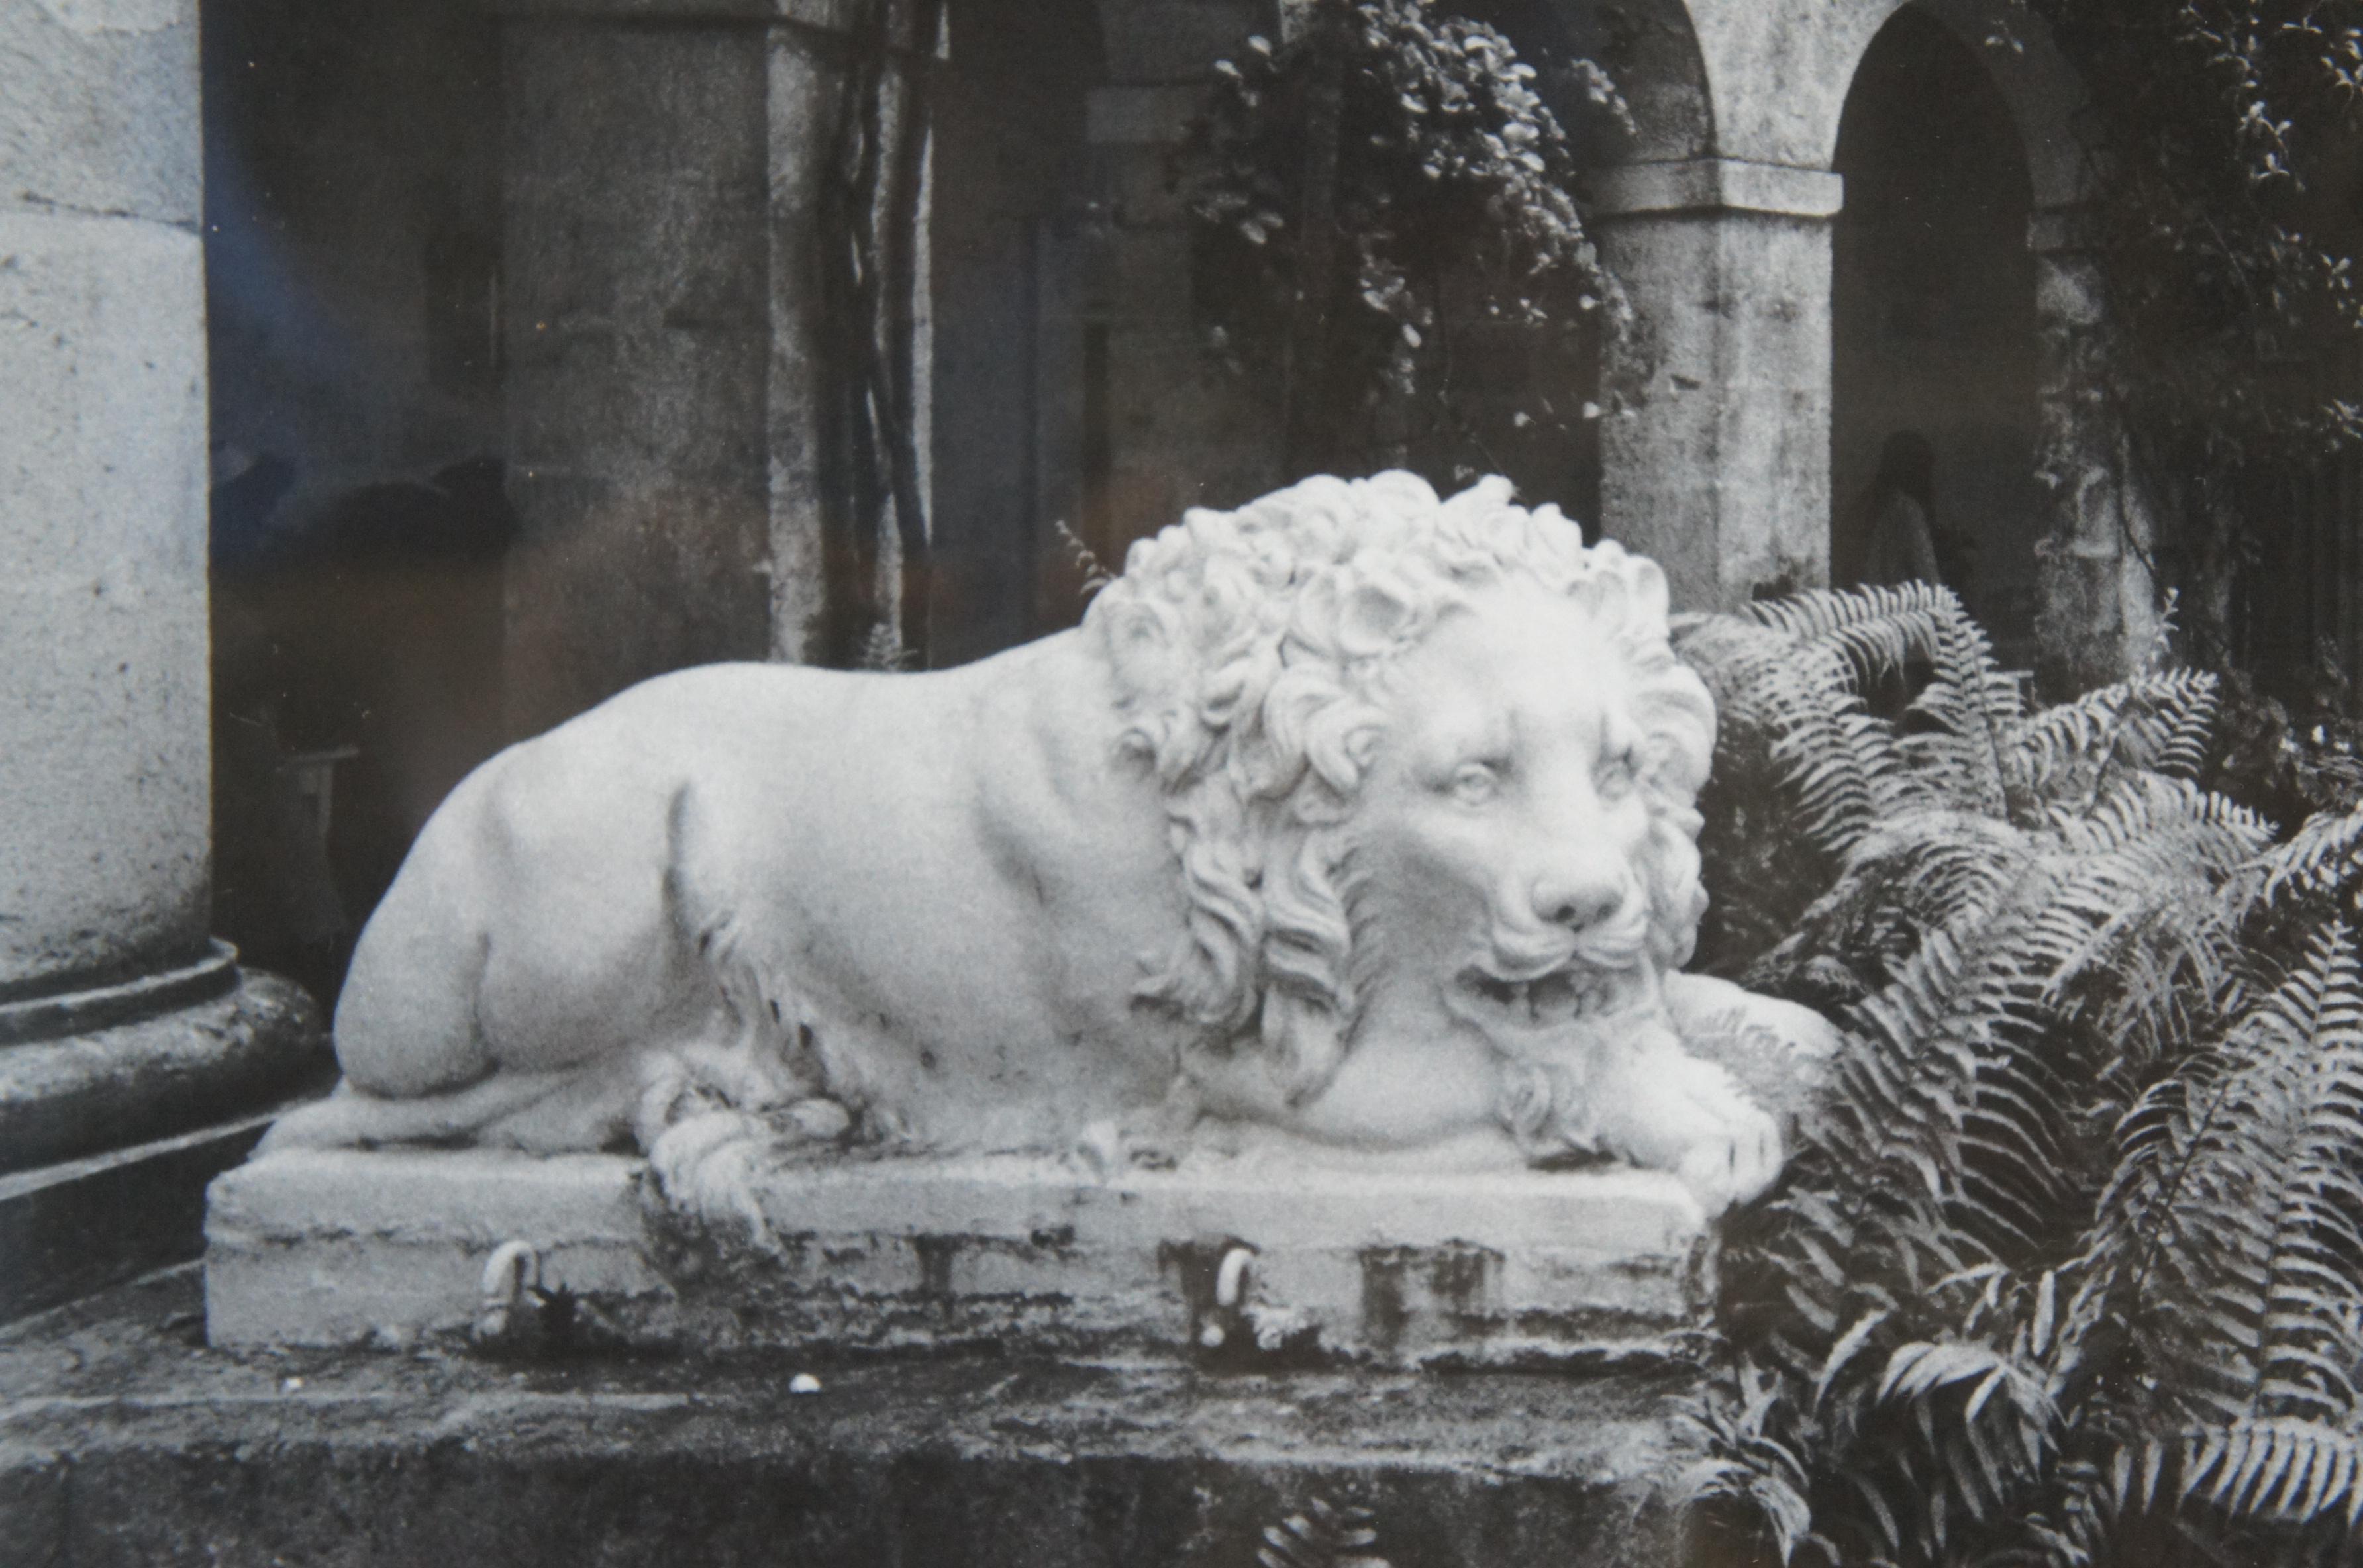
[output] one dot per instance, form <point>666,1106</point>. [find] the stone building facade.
<point>640,182</point>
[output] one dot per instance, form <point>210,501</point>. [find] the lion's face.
<point>1503,821</point>
<point>1502,851</point>
<point>1429,770</point>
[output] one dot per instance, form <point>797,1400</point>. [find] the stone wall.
<point>1069,384</point>
<point>1178,431</point>
<point>638,253</point>
<point>1010,229</point>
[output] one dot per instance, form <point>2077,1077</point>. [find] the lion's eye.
<point>1618,774</point>
<point>1474,783</point>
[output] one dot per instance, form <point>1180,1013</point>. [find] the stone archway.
<point>1723,235</point>
<point>2076,599</point>
<point>1933,319</point>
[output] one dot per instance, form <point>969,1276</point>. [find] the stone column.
<point>121,1021</point>
<point>1178,430</point>
<point>1721,470</point>
<point>2099,615</point>
<point>670,330</point>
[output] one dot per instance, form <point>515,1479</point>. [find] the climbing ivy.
<point>1388,246</point>
<point>2224,146</point>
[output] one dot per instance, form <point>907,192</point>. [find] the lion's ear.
<point>1372,620</point>
<point>1138,642</point>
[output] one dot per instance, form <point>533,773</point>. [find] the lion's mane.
<point>1250,651</point>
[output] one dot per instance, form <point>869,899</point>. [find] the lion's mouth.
<point>1566,995</point>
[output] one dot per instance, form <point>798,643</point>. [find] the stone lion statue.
<point>1353,816</point>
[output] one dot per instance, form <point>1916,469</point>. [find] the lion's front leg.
<point>1662,1109</point>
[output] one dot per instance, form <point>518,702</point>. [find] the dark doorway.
<point>1009,238</point>
<point>1932,320</point>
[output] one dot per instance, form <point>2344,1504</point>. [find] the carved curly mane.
<point>1250,651</point>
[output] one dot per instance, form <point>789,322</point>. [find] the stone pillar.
<point>1721,468</point>
<point>1178,431</point>
<point>669,167</point>
<point>2099,618</point>
<point>121,1021</point>
<point>638,339</point>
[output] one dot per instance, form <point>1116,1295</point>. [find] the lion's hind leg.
<point>717,1110</point>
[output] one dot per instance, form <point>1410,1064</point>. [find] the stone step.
<point>119,1103</point>
<point>125,1441</point>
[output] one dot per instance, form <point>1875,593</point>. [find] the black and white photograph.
<point>1181,783</point>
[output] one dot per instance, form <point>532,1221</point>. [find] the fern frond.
<point>1958,720</point>
<point>1749,1468</point>
<point>1322,1535</point>
<point>1876,628</point>
<point>1986,1424</point>
<point>2178,735</point>
<point>2324,855</point>
<point>1837,763</point>
<point>2230,1238</point>
<point>1975,702</point>
<point>2161,723</point>
<point>2290,1472</point>
<point>2151,864</point>
<point>1918,871</point>
<point>2286,1472</point>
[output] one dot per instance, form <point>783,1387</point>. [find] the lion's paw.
<point>1673,1113</point>
<point>711,1161</point>
<point>706,1165</point>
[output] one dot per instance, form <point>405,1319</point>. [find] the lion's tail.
<point>352,1117</point>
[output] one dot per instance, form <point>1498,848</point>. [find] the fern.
<point>2325,856</point>
<point>1321,1536</point>
<point>2068,1267</point>
<point>2230,1238</point>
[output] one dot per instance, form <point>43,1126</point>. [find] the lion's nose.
<point>1575,901</point>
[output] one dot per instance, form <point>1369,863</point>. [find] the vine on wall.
<point>875,553</point>
<point>2228,160</point>
<point>1389,248</point>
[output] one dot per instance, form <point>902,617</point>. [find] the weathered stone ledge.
<point>123,1440</point>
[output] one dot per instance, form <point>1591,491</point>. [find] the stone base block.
<point>1222,1259</point>
<point>332,1247</point>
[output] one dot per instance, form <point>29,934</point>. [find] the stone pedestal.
<point>1223,1259</point>
<point>119,1018</point>
<point>1721,471</point>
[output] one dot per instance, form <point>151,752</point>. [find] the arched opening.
<point>1932,331</point>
